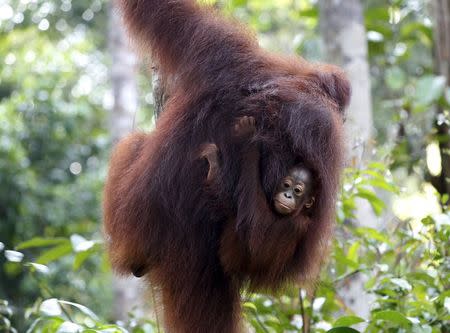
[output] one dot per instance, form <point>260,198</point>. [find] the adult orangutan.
<point>201,232</point>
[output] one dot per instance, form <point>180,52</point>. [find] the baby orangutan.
<point>294,191</point>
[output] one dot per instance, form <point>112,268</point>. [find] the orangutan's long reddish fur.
<point>203,243</point>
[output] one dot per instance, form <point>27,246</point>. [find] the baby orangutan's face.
<point>294,192</point>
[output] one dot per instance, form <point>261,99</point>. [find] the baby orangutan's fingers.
<point>209,151</point>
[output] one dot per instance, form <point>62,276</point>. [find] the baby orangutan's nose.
<point>287,195</point>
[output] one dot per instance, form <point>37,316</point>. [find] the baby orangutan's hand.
<point>244,127</point>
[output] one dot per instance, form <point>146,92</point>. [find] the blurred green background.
<point>70,86</point>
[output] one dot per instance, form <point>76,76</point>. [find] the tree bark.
<point>344,35</point>
<point>127,292</point>
<point>442,62</point>
<point>160,92</point>
<point>343,31</point>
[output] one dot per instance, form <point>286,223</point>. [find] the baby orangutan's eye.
<point>298,190</point>
<point>286,184</point>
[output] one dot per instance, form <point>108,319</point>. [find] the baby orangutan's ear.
<point>310,203</point>
<point>335,84</point>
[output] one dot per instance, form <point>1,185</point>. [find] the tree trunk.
<point>160,92</point>
<point>127,292</point>
<point>442,61</point>
<point>343,31</point>
<point>344,34</point>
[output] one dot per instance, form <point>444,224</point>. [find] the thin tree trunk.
<point>344,35</point>
<point>127,292</point>
<point>343,31</point>
<point>123,78</point>
<point>442,61</point>
<point>160,92</point>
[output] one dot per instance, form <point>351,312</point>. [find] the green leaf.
<point>35,325</point>
<point>250,306</point>
<point>88,312</point>
<point>54,253</point>
<point>402,283</point>
<point>38,267</point>
<point>373,234</point>
<point>377,14</point>
<point>342,330</point>
<point>348,321</point>
<point>41,242</point>
<point>13,256</point>
<point>392,316</point>
<point>310,12</point>
<point>382,184</point>
<point>395,78</point>
<point>271,320</point>
<point>80,258</point>
<point>378,166</point>
<point>69,327</point>
<point>447,304</point>
<point>408,30</point>
<point>352,253</point>
<point>422,277</point>
<point>50,307</point>
<point>376,203</point>
<point>80,244</point>
<point>420,328</point>
<point>429,88</point>
<point>343,260</point>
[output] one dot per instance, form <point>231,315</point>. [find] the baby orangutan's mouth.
<point>282,208</point>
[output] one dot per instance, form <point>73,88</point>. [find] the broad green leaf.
<point>50,307</point>
<point>13,256</point>
<point>5,324</point>
<point>310,12</point>
<point>381,184</point>
<point>69,327</point>
<point>421,328</point>
<point>38,267</point>
<point>348,321</point>
<point>272,320</point>
<point>395,78</point>
<point>80,244</point>
<point>429,89</point>
<point>88,312</point>
<point>376,203</point>
<point>250,306</point>
<point>422,277</point>
<point>392,316</point>
<point>238,3</point>
<point>80,258</point>
<point>343,260</point>
<point>373,233</point>
<point>52,325</point>
<point>352,253</point>
<point>447,304</point>
<point>41,242</point>
<point>378,166</point>
<point>34,325</point>
<point>54,253</point>
<point>409,29</point>
<point>402,283</point>
<point>377,14</point>
<point>342,330</point>
<point>444,294</point>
